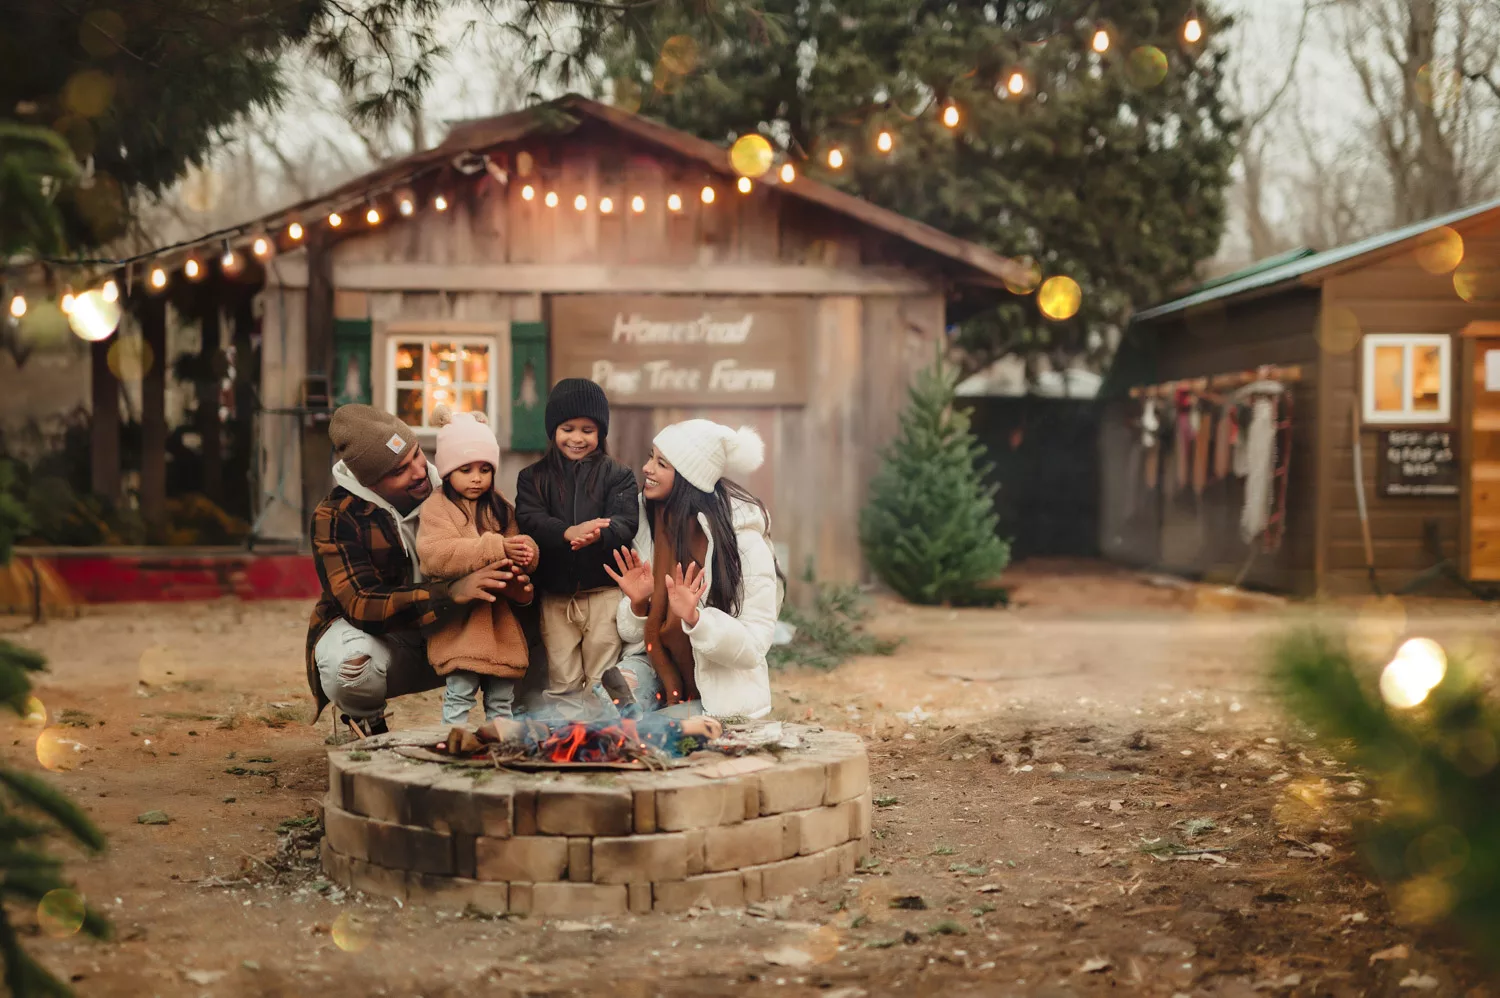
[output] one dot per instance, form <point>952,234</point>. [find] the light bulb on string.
<point>788,173</point>
<point>440,203</point>
<point>373,215</point>
<point>674,202</point>
<point>1016,84</point>
<point>192,269</point>
<point>406,206</point>
<point>158,278</point>
<point>18,306</point>
<point>637,204</point>
<point>1192,29</point>
<point>884,142</point>
<point>65,303</point>
<point>581,203</point>
<point>551,199</point>
<point>335,219</point>
<point>1101,41</point>
<point>744,185</point>
<point>528,193</point>
<point>951,116</point>
<point>607,206</point>
<point>294,231</point>
<point>110,291</point>
<point>835,159</point>
<point>707,194</point>
<point>261,247</point>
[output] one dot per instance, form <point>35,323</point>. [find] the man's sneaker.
<point>365,727</point>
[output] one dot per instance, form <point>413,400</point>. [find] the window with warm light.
<point>1408,378</point>
<point>455,370</point>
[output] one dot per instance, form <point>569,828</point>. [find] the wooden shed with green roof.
<point>1378,364</point>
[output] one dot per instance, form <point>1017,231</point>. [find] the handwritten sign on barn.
<point>1418,463</point>
<point>666,350</point>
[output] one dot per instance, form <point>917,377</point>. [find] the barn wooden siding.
<point>493,258</point>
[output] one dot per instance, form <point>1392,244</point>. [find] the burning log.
<point>650,741</point>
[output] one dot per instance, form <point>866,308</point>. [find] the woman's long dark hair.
<point>491,512</point>
<point>680,515</point>
<point>551,473</point>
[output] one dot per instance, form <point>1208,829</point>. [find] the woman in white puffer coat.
<point>702,590</point>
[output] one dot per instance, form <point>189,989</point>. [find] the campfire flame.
<point>578,742</point>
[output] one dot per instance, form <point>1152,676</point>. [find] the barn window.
<point>455,370</point>
<point>1408,378</point>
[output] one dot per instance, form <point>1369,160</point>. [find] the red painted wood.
<point>149,577</point>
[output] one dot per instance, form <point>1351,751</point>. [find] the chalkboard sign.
<point>1418,463</point>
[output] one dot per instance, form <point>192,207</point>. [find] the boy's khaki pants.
<point>582,641</point>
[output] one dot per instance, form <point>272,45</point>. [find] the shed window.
<point>455,370</point>
<point>1407,378</point>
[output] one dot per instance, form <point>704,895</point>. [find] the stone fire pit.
<point>592,840</point>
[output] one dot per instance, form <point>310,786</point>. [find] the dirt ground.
<point>1039,772</point>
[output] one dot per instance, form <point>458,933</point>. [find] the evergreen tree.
<point>1432,752</point>
<point>928,529</point>
<point>31,812</point>
<point>1109,168</point>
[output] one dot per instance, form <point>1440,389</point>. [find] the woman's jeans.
<point>650,694</point>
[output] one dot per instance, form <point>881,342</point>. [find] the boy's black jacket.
<point>564,571</point>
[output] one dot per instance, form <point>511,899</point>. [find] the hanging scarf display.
<point>1239,462</point>
<point>1151,441</point>
<point>1223,441</point>
<point>1260,462</point>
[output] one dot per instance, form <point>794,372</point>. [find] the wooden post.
<point>209,429</point>
<point>104,423</point>
<point>153,318</point>
<point>317,451</point>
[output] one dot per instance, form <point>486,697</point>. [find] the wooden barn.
<point>575,239</point>
<point>1380,366</point>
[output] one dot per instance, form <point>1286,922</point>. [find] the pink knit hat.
<point>463,438</point>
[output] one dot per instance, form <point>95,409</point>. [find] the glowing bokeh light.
<point>294,230</point>
<point>55,751</point>
<point>373,216</point>
<point>884,142</point>
<point>607,206</point>
<point>551,199</point>
<point>1440,250</point>
<point>1192,31</point>
<point>788,173</point>
<point>350,933</point>
<point>752,156</point>
<point>581,203</point>
<point>674,202</point>
<point>335,219</point>
<point>93,318</point>
<point>637,204</point>
<point>1338,329</point>
<point>951,116</point>
<point>744,184</point>
<point>707,195</point>
<point>130,357</point>
<point>1146,67</point>
<point>1059,297</point>
<point>18,306</point>
<point>1016,84</point>
<point>60,913</point>
<point>36,712</point>
<point>110,291</point>
<point>835,159</point>
<point>1419,666</point>
<point>528,193</point>
<point>1026,281</point>
<point>1101,41</point>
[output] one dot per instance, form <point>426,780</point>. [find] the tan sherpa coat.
<point>487,638</point>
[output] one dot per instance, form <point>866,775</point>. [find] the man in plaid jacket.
<point>365,642</point>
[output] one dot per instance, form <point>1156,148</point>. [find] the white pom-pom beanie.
<point>463,438</point>
<point>703,451</point>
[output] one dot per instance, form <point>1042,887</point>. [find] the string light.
<point>1101,41</point>
<point>674,202</point>
<point>111,291</point>
<point>528,193</point>
<point>1192,31</point>
<point>373,216</point>
<point>1017,83</point>
<point>440,203</point>
<point>230,261</point>
<point>406,206</point>
<point>158,278</point>
<point>294,231</point>
<point>581,203</point>
<point>707,194</point>
<point>18,306</point>
<point>788,173</point>
<point>335,219</point>
<point>551,199</point>
<point>950,116</point>
<point>606,206</point>
<point>66,302</point>
<point>193,269</point>
<point>637,204</point>
<point>835,159</point>
<point>261,247</point>
<point>744,185</point>
<point>883,141</point>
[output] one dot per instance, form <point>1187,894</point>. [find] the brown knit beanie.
<point>369,441</point>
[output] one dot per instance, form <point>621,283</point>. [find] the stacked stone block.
<point>593,843</point>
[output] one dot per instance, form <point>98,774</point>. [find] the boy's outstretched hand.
<point>585,533</point>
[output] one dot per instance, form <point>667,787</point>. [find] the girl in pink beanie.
<point>467,525</point>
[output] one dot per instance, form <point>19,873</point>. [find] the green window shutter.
<point>529,383</point>
<point>350,381</point>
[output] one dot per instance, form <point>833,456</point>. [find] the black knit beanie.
<point>573,398</point>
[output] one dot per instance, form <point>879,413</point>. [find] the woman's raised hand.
<point>633,577</point>
<point>684,590</point>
